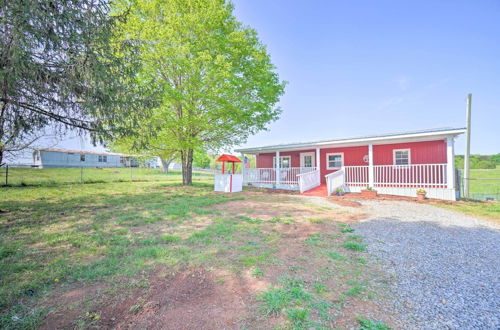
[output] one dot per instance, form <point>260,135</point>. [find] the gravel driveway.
<point>445,265</point>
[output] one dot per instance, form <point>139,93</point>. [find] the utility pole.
<point>467,148</point>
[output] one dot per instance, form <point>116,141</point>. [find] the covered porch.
<point>396,164</point>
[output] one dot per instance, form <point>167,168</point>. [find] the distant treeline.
<point>479,161</point>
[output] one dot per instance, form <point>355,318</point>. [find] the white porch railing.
<point>287,176</point>
<point>259,175</point>
<point>356,175</point>
<point>308,180</point>
<point>335,180</point>
<point>415,175</point>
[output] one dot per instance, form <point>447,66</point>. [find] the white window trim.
<point>334,154</point>
<point>394,156</point>
<point>282,157</point>
<point>313,158</point>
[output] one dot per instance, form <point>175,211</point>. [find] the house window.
<point>308,161</point>
<point>82,157</point>
<point>334,161</point>
<point>401,157</point>
<point>122,160</point>
<point>103,159</point>
<point>285,161</point>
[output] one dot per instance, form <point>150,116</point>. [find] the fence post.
<point>81,174</point>
<point>130,172</point>
<point>6,175</point>
<point>459,185</point>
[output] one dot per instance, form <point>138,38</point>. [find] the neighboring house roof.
<point>410,136</point>
<point>81,152</point>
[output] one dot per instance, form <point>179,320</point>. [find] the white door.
<point>307,159</point>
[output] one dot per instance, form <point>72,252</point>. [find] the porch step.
<point>318,191</point>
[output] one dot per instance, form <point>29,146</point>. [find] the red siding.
<point>352,156</point>
<point>428,152</point>
<point>266,160</point>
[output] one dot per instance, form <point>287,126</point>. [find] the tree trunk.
<point>165,163</point>
<point>187,167</point>
<point>1,157</point>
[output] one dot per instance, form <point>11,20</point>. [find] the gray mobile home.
<point>46,158</point>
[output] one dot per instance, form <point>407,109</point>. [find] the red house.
<point>396,164</point>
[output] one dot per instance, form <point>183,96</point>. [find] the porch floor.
<point>318,191</point>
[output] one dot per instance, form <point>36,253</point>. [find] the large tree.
<point>216,82</point>
<point>61,68</point>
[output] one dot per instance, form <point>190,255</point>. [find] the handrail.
<point>308,180</point>
<point>335,180</point>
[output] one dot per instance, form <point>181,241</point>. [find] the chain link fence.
<point>28,175</point>
<point>481,188</point>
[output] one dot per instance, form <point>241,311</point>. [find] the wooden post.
<point>467,148</point>
<point>223,167</point>
<point>371,174</point>
<point>277,168</point>
<point>6,175</point>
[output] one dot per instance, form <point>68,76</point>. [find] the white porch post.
<point>277,168</point>
<point>450,167</point>
<point>318,163</point>
<point>243,168</point>
<point>371,174</point>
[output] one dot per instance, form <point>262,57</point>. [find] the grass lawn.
<point>54,176</point>
<point>143,253</point>
<point>489,186</point>
<point>488,210</point>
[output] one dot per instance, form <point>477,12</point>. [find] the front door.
<point>307,159</point>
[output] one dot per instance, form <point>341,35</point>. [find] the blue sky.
<point>358,67</point>
<point>361,67</point>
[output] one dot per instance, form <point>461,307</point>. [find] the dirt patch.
<point>272,208</point>
<point>65,305</point>
<point>191,299</point>
<point>344,202</point>
<point>183,301</point>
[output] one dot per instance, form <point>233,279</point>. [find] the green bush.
<point>484,164</point>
